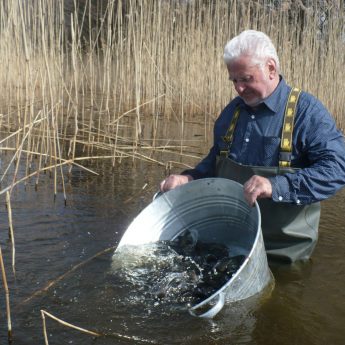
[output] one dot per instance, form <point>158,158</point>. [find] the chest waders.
<point>290,231</point>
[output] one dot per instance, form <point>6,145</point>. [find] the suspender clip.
<point>285,156</point>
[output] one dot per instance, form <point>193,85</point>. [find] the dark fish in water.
<point>215,267</point>
<point>185,243</point>
<point>229,265</point>
<point>217,250</point>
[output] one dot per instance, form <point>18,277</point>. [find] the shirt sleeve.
<point>322,146</point>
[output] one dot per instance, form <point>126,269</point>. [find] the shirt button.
<point>280,198</point>
<point>253,117</point>
<point>246,140</point>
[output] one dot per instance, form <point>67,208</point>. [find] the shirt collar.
<point>273,101</point>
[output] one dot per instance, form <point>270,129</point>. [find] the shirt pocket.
<point>270,153</point>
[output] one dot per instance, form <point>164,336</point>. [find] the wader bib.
<point>290,231</point>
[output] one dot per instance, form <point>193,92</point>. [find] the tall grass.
<point>100,79</point>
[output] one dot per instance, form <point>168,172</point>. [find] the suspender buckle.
<point>284,164</point>
<point>285,156</point>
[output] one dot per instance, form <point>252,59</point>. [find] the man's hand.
<point>173,181</point>
<point>257,187</point>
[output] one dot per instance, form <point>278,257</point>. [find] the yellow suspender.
<point>286,138</point>
<point>230,133</point>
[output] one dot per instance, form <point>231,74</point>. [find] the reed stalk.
<point>48,168</point>
<point>7,298</point>
<point>64,323</point>
<point>44,313</point>
<point>61,277</point>
<point>10,230</point>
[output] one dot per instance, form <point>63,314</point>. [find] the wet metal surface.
<point>306,307</point>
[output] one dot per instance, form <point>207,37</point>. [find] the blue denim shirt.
<point>318,146</point>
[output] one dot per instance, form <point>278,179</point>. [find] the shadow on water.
<point>306,307</point>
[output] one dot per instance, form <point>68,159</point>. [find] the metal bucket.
<point>216,209</point>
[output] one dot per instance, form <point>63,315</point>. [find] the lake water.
<point>307,305</point>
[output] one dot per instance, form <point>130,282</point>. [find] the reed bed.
<point>102,78</point>
<point>127,79</point>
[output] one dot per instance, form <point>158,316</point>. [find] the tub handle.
<point>214,310</point>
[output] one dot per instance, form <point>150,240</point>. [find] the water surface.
<point>307,305</point>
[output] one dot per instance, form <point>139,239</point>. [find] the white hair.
<point>252,43</point>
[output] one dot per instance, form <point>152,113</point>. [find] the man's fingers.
<point>161,186</point>
<point>251,196</point>
<point>257,187</point>
<point>173,181</point>
<point>167,184</point>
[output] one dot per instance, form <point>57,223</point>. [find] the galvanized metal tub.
<point>216,209</point>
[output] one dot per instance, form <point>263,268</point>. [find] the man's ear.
<point>272,68</point>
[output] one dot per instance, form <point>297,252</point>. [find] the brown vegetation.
<point>80,81</point>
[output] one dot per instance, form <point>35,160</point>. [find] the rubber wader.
<point>290,231</point>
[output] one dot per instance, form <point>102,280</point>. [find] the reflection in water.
<point>306,307</point>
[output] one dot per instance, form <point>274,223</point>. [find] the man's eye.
<point>242,80</point>
<point>246,79</point>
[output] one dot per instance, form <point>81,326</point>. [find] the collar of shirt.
<point>274,100</point>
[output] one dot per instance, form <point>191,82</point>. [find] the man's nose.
<point>239,87</point>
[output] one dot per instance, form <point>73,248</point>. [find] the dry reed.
<point>98,71</point>
<point>61,277</point>
<point>10,230</point>
<point>131,339</point>
<point>7,297</point>
<point>64,323</point>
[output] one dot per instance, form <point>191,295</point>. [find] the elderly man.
<point>280,143</point>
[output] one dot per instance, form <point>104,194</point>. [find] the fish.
<point>185,243</point>
<point>213,266</point>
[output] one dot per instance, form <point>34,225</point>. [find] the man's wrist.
<point>190,177</point>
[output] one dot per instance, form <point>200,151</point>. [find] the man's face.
<point>253,82</point>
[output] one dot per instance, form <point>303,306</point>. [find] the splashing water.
<point>178,273</point>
